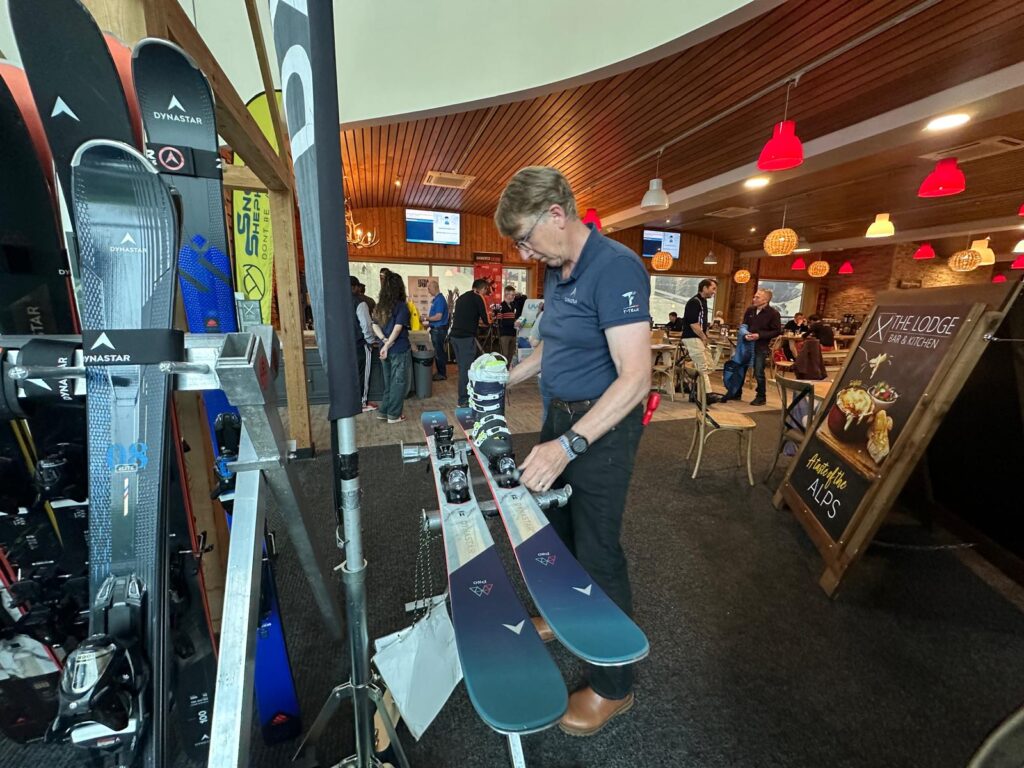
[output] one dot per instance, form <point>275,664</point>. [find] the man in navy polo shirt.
<point>596,368</point>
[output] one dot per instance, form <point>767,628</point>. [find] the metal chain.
<point>424,587</point>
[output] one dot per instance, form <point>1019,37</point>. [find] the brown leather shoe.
<point>589,712</point>
<point>542,629</point>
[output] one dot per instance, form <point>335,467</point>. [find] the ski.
<point>178,114</point>
<point>126,224</point>
<point>581,615</point>
<point>511,679</point>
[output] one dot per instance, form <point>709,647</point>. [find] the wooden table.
<point>657,350</point>
<point>843,341</point>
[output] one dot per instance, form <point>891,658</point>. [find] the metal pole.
<point>346,500</point>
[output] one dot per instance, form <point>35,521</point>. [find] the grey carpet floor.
<point>751,665</point>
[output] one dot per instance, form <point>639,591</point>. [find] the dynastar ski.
<point>512,681</point>
<point>580,614</point>
<point>178,113</point>
<point>114,685</point>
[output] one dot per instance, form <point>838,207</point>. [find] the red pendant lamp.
<point>999,279</point>
<point>944,180</point>
<point>591,217</point>
<point>798,264</point>
<point>783,150</point>
<point>924,251</point>
<point>1017,263</point>
<point>1020,211</point>
<point>846,269</point>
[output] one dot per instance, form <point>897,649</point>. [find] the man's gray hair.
<point>766,291</point>
<point>530,193</point>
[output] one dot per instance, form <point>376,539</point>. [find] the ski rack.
<point>413,453</point>
<point>243,365</point>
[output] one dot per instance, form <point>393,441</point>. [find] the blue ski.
<point>512,681</point>
<point>581,615</point>
<point>178,113</point>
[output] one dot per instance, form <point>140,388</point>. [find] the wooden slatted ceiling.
<point>593,132</point>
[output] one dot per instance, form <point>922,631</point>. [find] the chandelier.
<point>354,233</point>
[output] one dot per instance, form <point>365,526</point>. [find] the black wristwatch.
<point>577,442</point>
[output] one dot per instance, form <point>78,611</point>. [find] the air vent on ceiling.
<point>974,150</point>
<point>828,227</point>
<point>732,212</point>
<point>448,180</point>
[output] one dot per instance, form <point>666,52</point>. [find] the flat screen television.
<point>655,241</point>
<point>439,227</point>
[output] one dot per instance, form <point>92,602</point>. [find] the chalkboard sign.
<point>909,361</point>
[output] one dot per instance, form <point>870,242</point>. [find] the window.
<point>519,278</point>
<point>787,296</point>
<point>670,293</point>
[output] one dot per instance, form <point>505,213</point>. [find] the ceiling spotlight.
<point>668,221</point>
<point>398,182</point>
<point>756,182</point>
<point>945,122</point>
<point>754,229</point>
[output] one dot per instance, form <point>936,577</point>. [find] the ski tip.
<point>464,416</point>
<point>153,43</point>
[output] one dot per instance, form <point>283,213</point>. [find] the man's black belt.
<point>574,406</point>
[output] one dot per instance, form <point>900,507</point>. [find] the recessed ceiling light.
<point>753,229</point>
<point>668,221</point>
<point>398,182</point>
<point>945,122</point>
<point>756,182</point>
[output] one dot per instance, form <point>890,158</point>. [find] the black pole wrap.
<point>304,39</point>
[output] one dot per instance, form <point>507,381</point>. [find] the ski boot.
<point>487,378</point>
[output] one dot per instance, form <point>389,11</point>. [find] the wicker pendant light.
<point>818,268</point>
<point>782,241</point>
<point>742,276</point>
<point>965,260</point>
<point>661,261</point>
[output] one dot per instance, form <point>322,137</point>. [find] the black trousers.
<point>591,523</point>
<point>465,354</point>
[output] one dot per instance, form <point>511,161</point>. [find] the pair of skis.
<point>512,681</point>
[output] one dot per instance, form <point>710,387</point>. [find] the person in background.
<point>392,316</point>
<point>361,293</point>
<point>469,314</point>
<point>519,302</point>
<point>695,331</point>
<point>438,319</point>
<point>763,324</point>
<point>507,324</point>
<point>675,323</point>
<point>796,325</point>
<point>719,319</point>
<point>384,272</point>
<point>596,366</point>
<point>366,340</point>
<point>823,332</point>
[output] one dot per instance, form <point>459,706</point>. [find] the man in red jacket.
<point>763,324</point>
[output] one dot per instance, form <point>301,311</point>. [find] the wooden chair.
<point>666,371</point>
<point>720,420</point>
<point>658,336</point>
<point>797,398</point>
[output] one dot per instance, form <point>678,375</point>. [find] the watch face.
<point>579,444</point>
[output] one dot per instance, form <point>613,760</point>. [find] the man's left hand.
<point>543,466</point>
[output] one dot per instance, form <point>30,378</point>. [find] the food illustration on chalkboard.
<point>878,439</point>
<point>883,395</point>
<point>850,413</point>
<point>874,363</point>
<point>859,423</point>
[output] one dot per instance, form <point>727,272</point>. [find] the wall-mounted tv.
<point>660,241</point>
<point>437,227</point>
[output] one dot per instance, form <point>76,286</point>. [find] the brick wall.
<point>933,273</point>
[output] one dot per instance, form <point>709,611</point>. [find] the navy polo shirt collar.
<point>582,262</point>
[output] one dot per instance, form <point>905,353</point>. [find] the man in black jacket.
<point>469,314</point>
<point>763,324</point>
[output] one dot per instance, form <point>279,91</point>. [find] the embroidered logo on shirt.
<point>631,307</point>
<point>571,298</point>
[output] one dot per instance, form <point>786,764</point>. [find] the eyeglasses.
<point>523,243</point>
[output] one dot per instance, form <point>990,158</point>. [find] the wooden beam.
<point>125,20</point>
<point>289,314</point>
<point>280,134</point>
<point>234,122</point>
<point>242,177</point>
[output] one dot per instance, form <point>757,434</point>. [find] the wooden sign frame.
<point>986,306</point>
